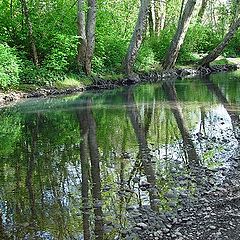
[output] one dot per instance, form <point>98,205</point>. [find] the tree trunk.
<point>151,18</point>
<point>218,50</point>
<point>163,7</point>
<point>137,38</point>
<point>82,45</point>
<point>180,34</point>
<point>90,33</point>
<point>202,9</point>
<point>30,31</point>
<point>86,32</point>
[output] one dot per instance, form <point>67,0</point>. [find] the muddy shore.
<point>100,84</point>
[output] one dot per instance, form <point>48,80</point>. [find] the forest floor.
<point>99,83</point>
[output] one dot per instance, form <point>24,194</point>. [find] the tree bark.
<point>90,33</point>
<point>202,9</point>
<point>180,34</point>
<point>82,45</point>
<point>218,50</point>
<point>30,31</point>
<point>137,38</point>
<point>151,18</point>
<point>163,7</point>
<point>86,32</point>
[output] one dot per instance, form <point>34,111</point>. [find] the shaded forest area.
<point>44,42</point>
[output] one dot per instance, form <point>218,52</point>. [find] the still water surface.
<point>73,167</point>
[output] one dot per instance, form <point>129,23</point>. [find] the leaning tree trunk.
<point>137,38</point>
<point>82,45</point>
<point>30,31</point>
<point>90,33</point>
<point>202,9</point>
<point>218,50</point>
<point>180,34</point>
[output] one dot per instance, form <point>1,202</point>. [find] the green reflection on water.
<point>73,166</point>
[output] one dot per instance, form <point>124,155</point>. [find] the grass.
<point>72,81</point>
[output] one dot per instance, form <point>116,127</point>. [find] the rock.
<point>142,225</point>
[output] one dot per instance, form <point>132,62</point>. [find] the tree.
<point>157,16</point>
<point>30,31</point>
<point>218,50</point>
<point>137,37</point>
<point>202,9</point>
<point>86,32</point>
<point>183,24</point>
<point>160,14</point>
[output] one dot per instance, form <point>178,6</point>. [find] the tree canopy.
<point>49,39</point>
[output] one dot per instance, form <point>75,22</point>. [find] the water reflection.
<point>235,120</point>
<point>188,146</point>
<point>80,171</point>
<point>89,147</point>
<point>144,151</point>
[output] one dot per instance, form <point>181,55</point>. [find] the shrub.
<point>146,59</point>
<point>63,54</point>
<point>9,67</point>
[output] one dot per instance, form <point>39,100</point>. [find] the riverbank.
<point>211,213</point>
<point>100,83</point>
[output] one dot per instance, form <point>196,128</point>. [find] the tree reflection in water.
<point>89,149</point>
<point>77,167</point>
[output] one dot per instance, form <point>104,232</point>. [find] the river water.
<point>76,167</point>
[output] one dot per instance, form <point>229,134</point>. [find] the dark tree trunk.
<point>30,31</point>
<point>179,36</point>
<point>151,18</point>
<point>82,44</point>
<point>91,25</point>
<point>219,49</point>
<point>202,9</point>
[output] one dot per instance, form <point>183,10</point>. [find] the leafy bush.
<point>201,38</point>
<point>146,59</point>
<point>161,44</point>
<point>9,67</point>
<point>30,74</point>
<point>109,53</point>
<point>233,48</point>
<point>63,54</point>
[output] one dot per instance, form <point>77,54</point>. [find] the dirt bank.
<point>154,76</point>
